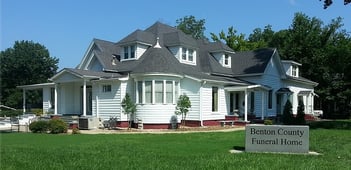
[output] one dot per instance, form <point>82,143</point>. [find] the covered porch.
<point>246,101</point>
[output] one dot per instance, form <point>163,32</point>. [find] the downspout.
<point>201,114</point>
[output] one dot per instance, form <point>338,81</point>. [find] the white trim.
<point>86,54</point>
<point>36,86</point>
<point>56,106</point>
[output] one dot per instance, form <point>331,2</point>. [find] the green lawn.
<point>165,151</point>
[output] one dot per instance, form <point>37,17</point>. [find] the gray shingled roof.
<point>105,52</point>
<point>161,60</point>
<point>251,62</point>
<point>138,36</point>
<point>90,73</point>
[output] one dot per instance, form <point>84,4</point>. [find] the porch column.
<point>56,106</point>
<point>85,98</point>
<point>262,105</point>
<point>24,101</point>
<point>246,104</point>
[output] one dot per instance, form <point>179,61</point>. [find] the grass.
<point>166,151</point>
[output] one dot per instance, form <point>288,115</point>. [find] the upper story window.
<point>294,71</point>
<point>227,60</point>
<point>223,58</point>
<point>188,55</point>
<point>129,52</point>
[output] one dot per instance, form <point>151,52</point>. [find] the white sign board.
<point>277,138</point>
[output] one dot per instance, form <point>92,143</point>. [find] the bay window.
<point>157,92</point>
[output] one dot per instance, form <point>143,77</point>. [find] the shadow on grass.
<point>239,148</point>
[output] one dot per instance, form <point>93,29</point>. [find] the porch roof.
<point>284,90</point>
<point>87,74</point>
<point>243,88</point>
<point>36,86</point>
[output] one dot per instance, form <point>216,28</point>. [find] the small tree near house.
<point>287,117</point>
<point>129,108</point>
<point>183,106</point>
<point>300,117</point>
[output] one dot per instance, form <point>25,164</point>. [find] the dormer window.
<point>223,58</point>
<point>226,60</point>
<point>188,55</point>
<point>129,52</point>
<point>294,71</point>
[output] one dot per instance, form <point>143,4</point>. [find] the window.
<point>270,99</point>
<point>294,71</point>
<point>148,91</point>
<point>191,53</point>
<point>132,51</point>
<point>184,53</point>
<point>126,52</point>
<point>226,59</point>
<point>106,88</point>
<point>129,52</point>
<point>188,55</point>
<point>252,101</point>
<point>169,92</point>
<point>140,91</point>
<point>214,99</point>
<point>176,93</point>
<point>158,91</point>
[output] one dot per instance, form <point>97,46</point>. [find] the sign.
<point>277,138</point>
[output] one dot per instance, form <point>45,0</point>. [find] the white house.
<point>158,64</point>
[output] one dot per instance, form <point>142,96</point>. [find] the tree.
<point>287,117</point>
<point>327,3</point>
<point>189,25</point>
<point>300,116</point>
<point>129,108</point>
<point>235,41</point>
<point>183,106</point>
<point>25,63</point>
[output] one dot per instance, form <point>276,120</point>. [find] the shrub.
<point>287,117</point>
<point>300,117</point>
<point>268,122</point>
<point>10,113</point>
<point>37,111</point>
<point>40,126</point>
<point>57,126</point>
<point>75,131</point>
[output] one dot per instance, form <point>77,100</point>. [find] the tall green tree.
<point>191,26</point>
<point>26,62</point>
<point>236,41</point>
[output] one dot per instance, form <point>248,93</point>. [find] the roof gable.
<point>102,51</point>
<point>251,62</point>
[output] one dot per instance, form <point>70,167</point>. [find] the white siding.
<point>95,65</point>
<point>272,79</point>
<point>192,89</point>
<point>140,50</point>
<point>175,51</point>
<point>109,103</point>
<point>207,103</point>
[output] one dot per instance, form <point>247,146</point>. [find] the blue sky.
<point>66,27</point>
